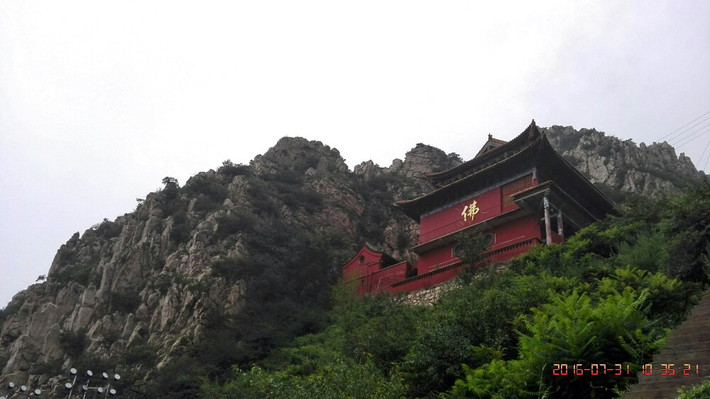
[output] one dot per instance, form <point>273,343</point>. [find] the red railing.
<point>393,278</point>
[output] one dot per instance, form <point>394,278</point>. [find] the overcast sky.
<point>101,100</point>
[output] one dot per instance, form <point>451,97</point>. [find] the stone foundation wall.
<point>429,296</point>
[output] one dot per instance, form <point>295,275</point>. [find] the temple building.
<point>518,194</point>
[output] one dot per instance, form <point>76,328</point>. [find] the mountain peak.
<point>297,154</point>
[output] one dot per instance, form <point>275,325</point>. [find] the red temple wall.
<point>426,281</point>
<point>516,230</point>
<point>508,189</point>
<point>510,240</point>
<point>504,235</point>
<point>380,280</point>
<point>439,264</point>
<point>490,204</point>
<point>449,220</point>
<point>365,262</point>
<point>435,259</point>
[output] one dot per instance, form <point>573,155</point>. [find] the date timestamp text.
<point>579,369</point>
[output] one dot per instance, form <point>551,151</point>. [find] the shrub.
<point>13,307</point>
<point>79,273</point>
<point>233,223</point>
<point>144,355</point>
<point>162,283</point>
<point>108,229</point>
<point>180,231</point>
<point>231,269</point>
<point>231,169</point>
<point>574,330</point>
<point>97,364</point>
<point>261,197</point>
<point>74,342</point>
<point>649,252</point>
<point>50,367</point>
<point>3,361</point>
<point>686,224</point>
<point>480,314</point>
<point>205,204</point>
<point>209,187</point>
<point>498,379</point>
<point>341,379</point>
<point>291,177</point>
<point>470,249</point>
<point>111,337</point>
<point>179,379</point>
<point>571,330</point>
<point>668,298</point>
<point>125,302</point>
<point>696,392</point>
<point>295,195</point>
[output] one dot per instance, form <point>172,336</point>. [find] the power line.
<point>703,154</point>
<point>689,131</point>
<point>692,136</point>
<point>680,135</point>
<point>708,112</point>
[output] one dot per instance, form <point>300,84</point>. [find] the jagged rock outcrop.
<point>300,156</point>
<point>620,167</point>
<point>401,180</point>
<point>147,288</point>
<point>237,260</point>
<point>423,159</point>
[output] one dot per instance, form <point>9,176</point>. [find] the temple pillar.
<point>560,225</point>
<point>548,224</point>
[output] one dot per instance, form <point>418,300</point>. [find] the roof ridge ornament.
<point>533,131</point>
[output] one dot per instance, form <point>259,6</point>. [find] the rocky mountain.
<point>621,167</point>
<point>240,260</point>
<point>209,274</point>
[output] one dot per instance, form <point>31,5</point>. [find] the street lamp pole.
<point>21,390</point>
<point>86,387</point>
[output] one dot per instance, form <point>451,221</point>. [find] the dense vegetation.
<point>288,267</point>
<point>609,295</point>
<point>271,238</point>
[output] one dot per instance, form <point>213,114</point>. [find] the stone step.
<point>699,358</point>
<point>656,382</point>
<point>685,352</point>
<point>694,333</point>
<point>697,318</point>
<point>694,322</point>
<point>685,345</point>
<point>702,308</point>
<point>660,389</point>
<point>668,382</point>
<point>688,343</point>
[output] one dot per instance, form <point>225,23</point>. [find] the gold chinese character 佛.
<point>470,211</point>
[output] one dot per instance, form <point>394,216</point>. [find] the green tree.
<point>575,331</point>
<point>170,183</point>
<point>470,248</point>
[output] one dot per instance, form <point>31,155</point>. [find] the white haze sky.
<point>101,100</point>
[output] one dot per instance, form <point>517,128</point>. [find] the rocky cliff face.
<point>243,254</point>
<point>621,167</point>
<point>239,260</point>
